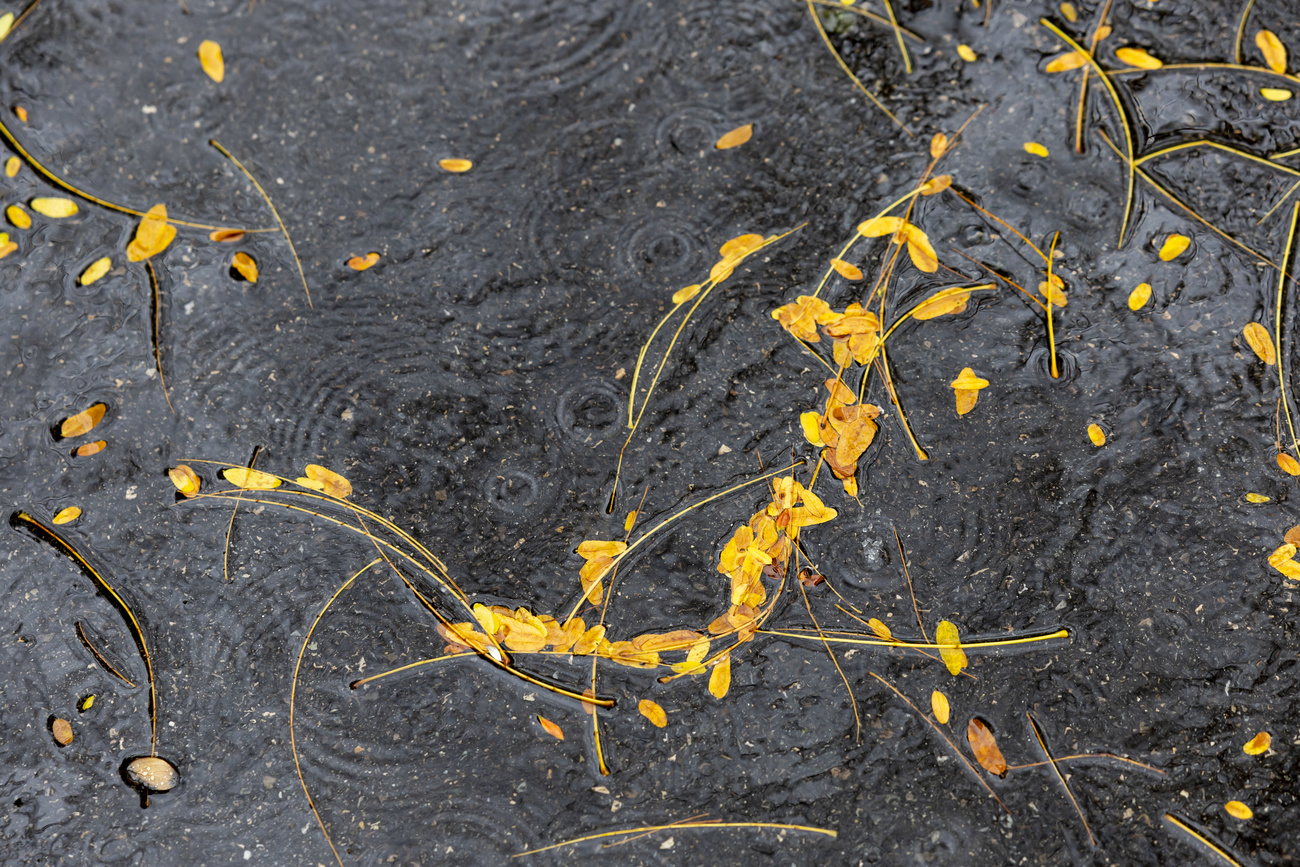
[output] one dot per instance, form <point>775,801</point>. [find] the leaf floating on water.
<point>456,166</point>
<point>91,448</point>
<point>211,60</point>
<point>803,316</point>
<point>736,137</point>
<point>1257,498</point>
<point>1273,50</point>
<point>1033,147</point>
<point>226,235</point>
<point>1054,291</point>
<point>938,147</point>
<point>1097,435</point>
<point>185,479</point>
<point>941,305</point>
<point>551,728</point>
<point>949,641</point>
<point>83,422</point>
<point>152,235</point>
<point>68,515</point>
<point>1066,62</point>
<point>21,112</point>
<point>846,270</point>
<point>939,704</point>
<point>245,265</point>
<point>250,479</point>
<point>54,208</point>
<point>1174,246</point>
<point>720,677</point>
<point>1139,58</point>
<point>985,747</point>
<point>62,731</point>
<point>1258,338</point>
<point>967,387</point>
<point>920,250</point>
<point>1140,295</point>
<point>1283,560</point>
<point>1293,535</point>
<point>629,522</point>
<point>1289,465</point>
<point>877,227</point>
<point>13,164</point>
<point>95,270</point>
<point>6,246</point>
<point>1238,810</point>
<point>653,712</point>
<point>966,53</point>
<point>1275,94</point>
<point>18,217</point>
<point>1258,745</point>
<point>361,263</point>
<point>333,484</point>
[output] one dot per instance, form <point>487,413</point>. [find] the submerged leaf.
<point>250,479</point>
<point>939,704</point>
<point>1140,295</point>
<point>736,137</point>
<point>185,479</point>
<point>83,422</point>
<point>985,747</point>
<point>1258,745</point>
<point>803,316</point>
<point>1238,810</point>
<point>455,166</point>
<point>949,641</point>
<point>95,270</point>
<point>1174,246</point>
<point>551,728</point>
<point>1138,57</point>
<point>68,515</point>
<point>653,712</point>
<point>55,208</point>
<point>211,60</point>
<point>1097,435</point>
<point>1259,340</point>
<point>245,265</point>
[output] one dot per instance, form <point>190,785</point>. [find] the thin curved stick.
<point>1277,324</point>
<point>99,657</point>
<point>21,18</point>
<point>1042,742</point>
<point>898,34</point>
<point>1241,30</point>
<point>1083,79</point>
<point>650,829</point>
<point>230,527</point>
<point>844,66</point>
<point>1204,839</point>
<point>357,684</point>
<point>1051,330</point>
<point>157,332</point>
<point>1204,142</point>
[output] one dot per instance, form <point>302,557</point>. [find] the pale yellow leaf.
<point>686,293</point>
<point>736,137</point>
<point>6,23</point>
<point>1140,295</point>
<point>250,479</point>
<point>653,712</point>
<point>940,304</point>
<point>1257,498</point>
<point>334,484</point>
<point>811,424</point>
<point>846,270</point>
<point>53,207</point>
<point>1070,12</point>
<point>939,704</point>
<point>1257,337</point>
<point>71,513</point>
<point>211,60</point>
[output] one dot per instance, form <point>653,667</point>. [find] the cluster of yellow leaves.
<point>152,235</point>
<point>733,253</point>
<point>600,558</point>
<point>1283,560</point>
<point>918,244</point>
<point>843,432</point>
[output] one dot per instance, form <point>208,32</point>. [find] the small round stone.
<point>153,773</point>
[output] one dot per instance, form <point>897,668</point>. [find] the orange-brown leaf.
<point>985,747</point>
<point>736,137</point>
<point>361,263</point>
<point>245,265</point>
<point>551,728</point>
<point>226,235</point>
<point>91,448</point>
<point>802,317</point>
<point>333,484</point>
<point>1258,744</point>
<point>1289,465</point>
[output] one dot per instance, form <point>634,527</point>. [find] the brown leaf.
<point>62,730</point>
<point>653,712</point>
<point>82,422</point>
<point>1293,535</point>
<point>985,747</point>
<point>551,728</point>
<point>736,137</point>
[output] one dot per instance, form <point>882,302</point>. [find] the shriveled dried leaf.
<point>67,515</point>
<point>653,712</point>
<point>18,217</point>
<point>245,265</point>
<point>95,270</point>
<point>1033,147</point>
<point>1174,246</point>
<point>361,263</point>
<point>1097,435</point>
<point>211,60</point>
<point>1066,62</point>
<point>1140,295</point>
<point>1257,498</point>
<point>250,479</point>
<point>551,728</point>
<point>1283,560</point>
<point>1289,465</point>
<point>226,235</point>
<point>949,641</point>
<point>1275,94</point>
<point>1138,57</point>
<point>185,479</point>
<point>1258,745</point>
<point>879,226</point>
<point>985,747</point>
<point>54,208</point>
<point>966,53</point>
<point>720,677</point>
<point>1238,810</point>
<point>152,235</point>
<point>736,137</point>
<point>686,293</point>
<point>455,166</point>
<point>1258,338</point>
<point>13,164</point>
<point>1273,50</point>
<point>91,448</point>
<point>846,270</point>
<point>62,731</point>
<point>938,145</point>
<point>941,304</point>
<point>83,422</point>
<point>334,484</point>
<point>939,704</point>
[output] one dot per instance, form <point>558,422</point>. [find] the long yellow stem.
<point>1277,325</point>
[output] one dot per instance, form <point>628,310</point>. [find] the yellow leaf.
<point>720,678</point>
<point>95,270</point>
<point>846,270</point>
<point>1238,810</point>
<point>86,703</point>
<point>1257,498</point>
<point>937,184</point>
<point>13,164</point>
<point>592,548</point>
<point>304,482</point>
<point>226,235</point>
<point>686,293</point>
<point>456,166</point>
<point>1140,295</point>
<point>334,484</point>
<point>6,22</point>
<point>878,627</point>
<point>1174,246</point>
<point>71,513</point>
<point>250,479</point>
<point>741,245</point>
<point>54,208</point>
<point>1275,94</point>
<point>6,246</point>
<point>245,265</point>
<point>1053,292</point>
<point>811,424</point>
<point>653,712</point>
<point>1070,12</point>
<point>1258,745</point>
<point>941,306</point>
<point>802,317</point>
<point>966,53</point>
<point>920,251</point>
<point>361,263</point>
<point>938,146</point>
<point>1283,560</point>
<point>1097,435</point>
<point>589,641</point>
<point>966,387</point>
<point>18,217</point>
<point>1103,31</point>
<point>211,60</point>
<point>1066,62</point>
<point>1033,147</point>
<point>985,747</point>
<point>185,479</point>
<point>1273,50</point>
<point>736,137</point>
<point>949,641</point>
<point>878,226</point>
<point>152,235</point>
<point>629,522</point>
<point>939,704</point>
<point>22,113</point>
<point>82,422</point>
<point>722,270</point>
<point>1288,464</point>
<point>1259,340</point>
<point>551,728</point>
<point>91,448</point>
<point>1137,57</point>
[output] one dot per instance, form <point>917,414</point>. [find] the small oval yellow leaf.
<point>211,60</point>
<point>653,712</point>
<point>1070,12</point>
<point>1103,31</point>
<point>86,704</point>
<point>1097,435</point>
<point>1260,342</point>
<point>361,263</point>
<point>6,23</point>
<point>18,217</point>
<point>1053,292</point>
<point>1238,810</point>
<point>334,484</point>
<point>95,270</point>
<point>21,113</point>
<point>741,245</point>
<point>1140,295</point>
<point>878,626</point>
<point>65,516</point>
<point>54,208</point>
<point>1139,58</point>
<point>185,479</point>
<point>91,448</point>
<point>939,704</point>
<point>847,270</point>
<point>630,521</point>
<point>1275,94</point>
<point>1258,745</point>
<point>83,422</point>
<point>1033,147</point>
<point>966,53</point>
<point>245,265</point>
<point>250,480</point>
<point>12,165</point>
<point>1273,50</point>
<point>720,677</point>
<point>456,166</point>
<point>1257,498</point>
<point>736,137</point>
<point>1066,62</point>
<point>551,728</point>
<point>226,235</point>
<point>1174,246</point>
<point>879,226</point>
<point>949,641</point>
<point>1289,465</point>
<point>938,145</point>
<point>686,293</point>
